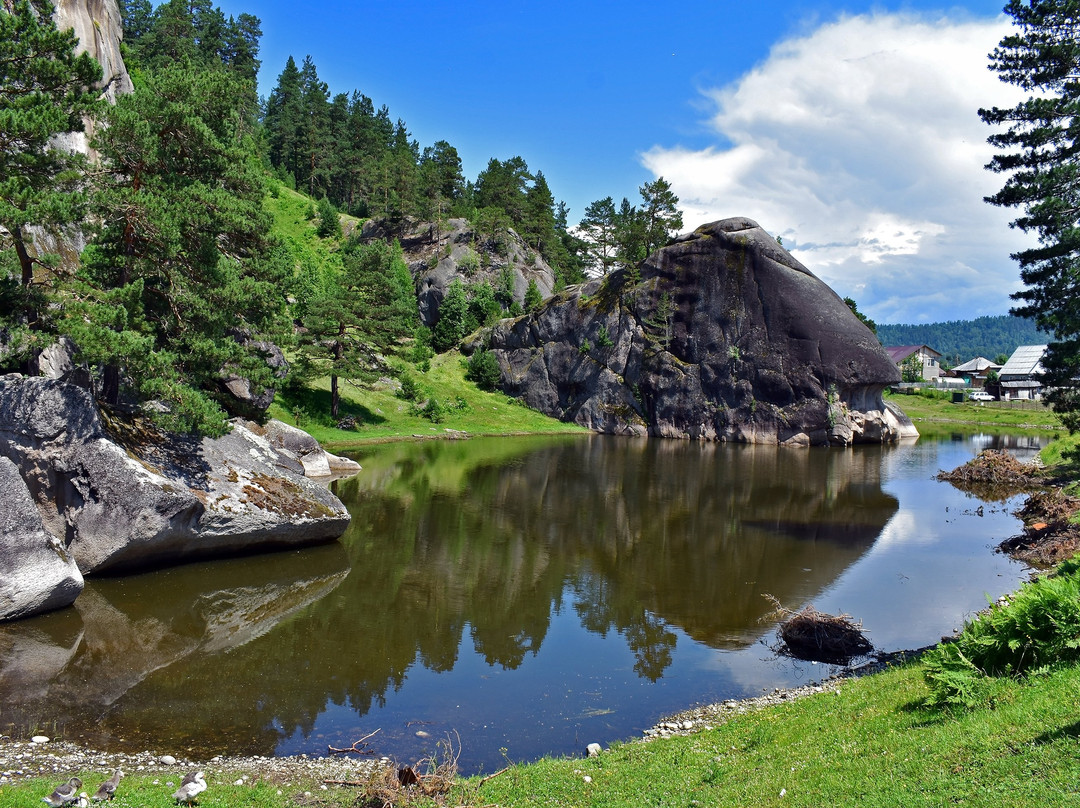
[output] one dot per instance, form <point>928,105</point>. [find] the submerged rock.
<point>36,573</point>
<point>120,495</point>
<point>722,335</point>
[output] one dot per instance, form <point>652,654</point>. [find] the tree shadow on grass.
<point>312,406</point>
<point>1061,733</point>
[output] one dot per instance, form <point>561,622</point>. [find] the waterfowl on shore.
<point>191,787</point>
<point>64,794</point>
<point>82,801</point>
<point>107,790</point>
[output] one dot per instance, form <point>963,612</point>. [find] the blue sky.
<point>847,128</point>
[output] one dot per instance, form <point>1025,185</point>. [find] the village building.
<point>1021,376</point>
<point>974,373</point>
<point>929,360</point>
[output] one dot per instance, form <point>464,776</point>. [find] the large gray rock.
<point>36,573</point>
<point>128,497</point>
<point>316,461</point>
<point>722,335</point>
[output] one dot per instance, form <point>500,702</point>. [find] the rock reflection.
<point>70,670</point>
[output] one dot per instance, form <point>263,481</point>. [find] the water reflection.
<point>500,588</point>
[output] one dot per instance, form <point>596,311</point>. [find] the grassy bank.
<point>931,408</point>
<point>382,413</point>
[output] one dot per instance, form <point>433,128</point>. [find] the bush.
<point>1038,627</point>
<point>483,369</point>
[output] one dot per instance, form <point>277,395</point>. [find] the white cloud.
<point>860,144</point>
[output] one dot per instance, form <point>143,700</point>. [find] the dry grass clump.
<point>818,637</point>
<point>429,780</point>
<point>994,476</point>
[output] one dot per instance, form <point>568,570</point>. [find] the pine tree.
<point>598,230</point>
<point>358,317</point>
<point>1040,152</point>
<point>661,218</point>
<point>45,89</point>
<point>181,282</point>
<point>284,119</point>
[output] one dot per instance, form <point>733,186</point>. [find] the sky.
<point>847,128</point>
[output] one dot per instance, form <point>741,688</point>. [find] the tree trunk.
<point>334,397</point>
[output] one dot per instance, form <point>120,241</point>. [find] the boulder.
<point>120,495</point>
<point>316,461</point>
<point>722,335</point>
<point>36,573</point>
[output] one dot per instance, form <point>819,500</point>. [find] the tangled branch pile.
<point>1050,536</point>
<point>430,780</point>
<point>815,636</point>
<point>993,475</point>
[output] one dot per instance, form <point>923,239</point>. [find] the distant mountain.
<point>961,340</point>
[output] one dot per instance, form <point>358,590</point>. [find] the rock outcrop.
<point>36,572</point>
<point>437,256</point>
<point>119,496</point>
<point>722,335</point>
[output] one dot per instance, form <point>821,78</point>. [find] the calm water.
<point>527,595</point>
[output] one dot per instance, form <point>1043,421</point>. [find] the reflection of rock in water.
<point>132,627</point>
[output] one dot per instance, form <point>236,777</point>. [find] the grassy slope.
<point>381,415</point>
<point>972,414</point>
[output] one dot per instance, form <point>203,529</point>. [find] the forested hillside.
<point>962,340</point>
<point>188,290</point>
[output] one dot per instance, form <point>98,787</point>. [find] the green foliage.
<point>855,309</point>
<point>483,368</point>
<point>358,317</point>
<point>181,282</point>
<point>603,339</point>
<point>533,298</point>
<point>1040,156</point>
<point>961,340</point>
<point>1038,626</point>
<point>45,89</point>
<point>911,369</point>
<point>453,318</point>
<point>469,263</point>
<point>329,223</point>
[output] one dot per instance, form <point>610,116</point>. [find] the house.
<point>1020,376</point>
<point>927,357</point>
<point>974,373</point>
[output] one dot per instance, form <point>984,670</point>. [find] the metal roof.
<point>977,365</point>
<point>898,353</point>
<point>1025,361</point>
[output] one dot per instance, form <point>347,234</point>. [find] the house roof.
<point>1025,361</point>
<point>899,353</point>
<point>977,365</point>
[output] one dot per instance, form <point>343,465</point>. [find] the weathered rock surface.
<point>436,257</point>
<point>119,497</point>
<point>316,461</point>
<point>722,335</point>
<point>36,572</point>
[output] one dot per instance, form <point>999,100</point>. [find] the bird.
<point>82,801</point>
<point>107,790</point>
<point>64,794</point>
<point>191,787</point>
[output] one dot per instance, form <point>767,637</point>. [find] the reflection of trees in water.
<point>486,536</point>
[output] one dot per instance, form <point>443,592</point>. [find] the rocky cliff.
<point>437,256</point>
<point>722,335</point>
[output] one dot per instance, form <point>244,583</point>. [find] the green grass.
<point>382,415</point>
<point>873,744</point>
<point>926,411</point>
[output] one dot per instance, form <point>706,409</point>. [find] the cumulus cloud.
<point>860,145</point>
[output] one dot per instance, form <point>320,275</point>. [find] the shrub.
<point>1037,627</point>
<point>483,369</point>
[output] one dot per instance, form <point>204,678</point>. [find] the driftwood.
<point>357,747</point>
<point>815,636</point>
